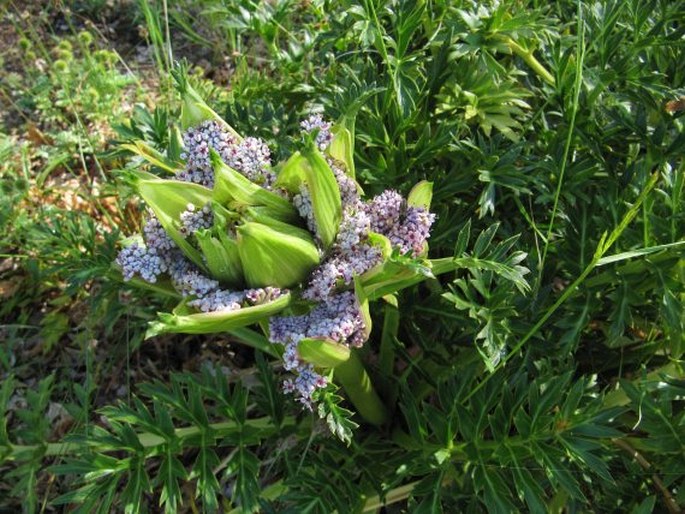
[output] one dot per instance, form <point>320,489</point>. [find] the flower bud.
<point>272,257</point>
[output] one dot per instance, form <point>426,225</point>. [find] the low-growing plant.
<point>552,135</point>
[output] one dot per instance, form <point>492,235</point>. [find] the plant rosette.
<point>292,247</point>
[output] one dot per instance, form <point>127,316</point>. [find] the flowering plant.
<point>294,246</point>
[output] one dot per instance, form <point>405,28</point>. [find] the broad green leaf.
<point>342,147</point>
<point>221,255</point>
<point>260,216</point>
<point>194,110</point>
<point>273,258</point>
<point>175,148</point>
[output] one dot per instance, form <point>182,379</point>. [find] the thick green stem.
<point>357,384</point>
<point>531,61</point>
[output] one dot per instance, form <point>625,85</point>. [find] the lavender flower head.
<point>139,260</point>
<point>411,235</point>
<point>156,237</point>
<point>303,203</point>
<point>197,142</point>
<point>218,300</point>
<point>194,219</point>
<point>323,136</point>
<point>339,319</point>
<point>252,158</point>
<point>385,211</point>
<point>407,227</point>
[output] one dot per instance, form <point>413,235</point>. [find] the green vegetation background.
<point>554,135</point>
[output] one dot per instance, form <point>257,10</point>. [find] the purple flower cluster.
<point>161,255</point>
<point>303,203</point>
<point>219,300</point>
<point>337,315</point>
<point>350,255</point>
<point>263,295</point>
<point>197,141</point>
<point>407,227</point>
<point>194,219</point>
<point>338,319</point>
<point>189,280</point>
<point>251,156</point>
<point>305,384</point>
<point>411,235</point>
<point>323,128</point>
<point>385,210</point>
<point>151,259</point>
<point>139,260</point>
<point>156,237</point>
<point>349,192</point>
<point>224,300</point>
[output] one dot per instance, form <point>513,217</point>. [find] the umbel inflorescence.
<point>242,239</point>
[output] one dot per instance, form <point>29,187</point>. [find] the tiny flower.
<point>323,128</point>
<point>139,260</point>
<point>197,142</point>
<point>252,158</point>
<point>194,219</point>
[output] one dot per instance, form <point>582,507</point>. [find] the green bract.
<point>311,171</point>
<point>222,256</point>
<point>236,192</point>
<point>186,321</point>
<point>272,257</point>
<point>169,199</point>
